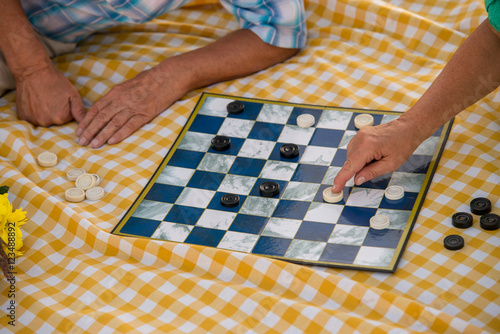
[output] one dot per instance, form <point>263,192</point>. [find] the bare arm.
<point>472,73</point>
<point>128,106</point>
<point>44,96</point>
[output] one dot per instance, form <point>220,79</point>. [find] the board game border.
<point>405,236</point>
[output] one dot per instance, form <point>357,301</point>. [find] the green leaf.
<point>4,190</point>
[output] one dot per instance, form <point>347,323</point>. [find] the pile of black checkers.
<point>488,221</point>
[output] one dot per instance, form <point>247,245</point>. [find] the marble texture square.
<point>305,250</point>
<point>348,135</point>
<point>172,232</point>
<point>152,210</point>
<point>398,218</point>
<point>300,191</point>
<point>278,170</point>
<point>428,146</point>
<point>296,135</point>
<point>275,113</point>
<point>176,176</point>
<point>256,149</point>
<point>409,181</point>
<point>216,163</point>
<point>198,198</point>
<point>374,256</point>
<point>281,228</point>
<point>317,155</point>
<point>348,235</point>
<point>332,173</point>
<point>235,184</point>
<point>368,198</point>
<point>335,119</point>
<point>215,106</point>
<point>216,219</point>
<point>324,212</point>
<point>389,118</point>
<point>259,206</point>
<point>236,241</point>
<point>195,141</point>
<point>233,127</point>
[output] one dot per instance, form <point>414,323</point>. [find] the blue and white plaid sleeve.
<point>277,22</point>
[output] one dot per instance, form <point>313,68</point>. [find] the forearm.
<point>238,54</point>
<point>19,43</point>
<point>472,73</point>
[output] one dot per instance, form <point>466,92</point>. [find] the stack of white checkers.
<point>87,185</point>
<point>378,222</point>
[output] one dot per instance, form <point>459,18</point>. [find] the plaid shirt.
<point>277,22</point>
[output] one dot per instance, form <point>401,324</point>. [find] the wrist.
<point>24,70</point>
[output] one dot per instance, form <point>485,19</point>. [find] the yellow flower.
<point>10,226</point>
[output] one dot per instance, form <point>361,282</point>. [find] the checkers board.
<point>182,201</point>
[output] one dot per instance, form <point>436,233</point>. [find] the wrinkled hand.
<point>377,150</point>
<point>45,97</point>
<point>127,107</point>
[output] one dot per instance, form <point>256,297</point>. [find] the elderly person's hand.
<point>377,150</point>
<point>46,97</point>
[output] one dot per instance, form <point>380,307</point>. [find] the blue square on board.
<point>276,155</point>
<point>206,124</point>
<point>438,132</point>
<point>248,224</point>
<point>309,173</point>
<point>186,159</point>
<point>297,111</point>
<point>386,238</point>
<point>251,111</point>
<point>271,246</point>
<point>380,182</point>
<point>339,253</point>
<point>339,158</point>
<point>256,192</point>
<point>314,231</point>
<point>164,193</point>
<point>319,194</point>
<point>205,236</point>
<point>216,205</point>
<point>352,215</point>
<point>266,131</point>
<point>234,147</point>
<point>291,209</point>
<point>327,138</point>
<point>184,215</point>
<point>416,164</point>
<point>405,203</point>
<point>247,166</point>
<point>206,180</point>
<point>140,226</point>
<point>377,119</point>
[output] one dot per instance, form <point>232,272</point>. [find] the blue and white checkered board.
<point>181,203</point>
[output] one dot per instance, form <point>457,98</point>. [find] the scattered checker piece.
<point>87,185</point>
<point>488,221</point>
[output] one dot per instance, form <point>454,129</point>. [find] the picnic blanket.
<point>76,277</point>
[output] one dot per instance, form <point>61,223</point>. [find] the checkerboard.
<point>181,203</point>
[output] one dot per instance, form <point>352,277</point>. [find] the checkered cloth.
<point>77,277</point>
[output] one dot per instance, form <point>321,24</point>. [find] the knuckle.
<point>101,117</point>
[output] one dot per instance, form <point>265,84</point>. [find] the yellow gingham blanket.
<point>77,277</point>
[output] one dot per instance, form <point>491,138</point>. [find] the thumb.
<point>77,108</point>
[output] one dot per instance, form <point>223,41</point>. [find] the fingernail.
<point>361,180</point>
<point>83,141</point>
<point>334,189</point>
<point>95,143</point>
<point>79,132</point>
